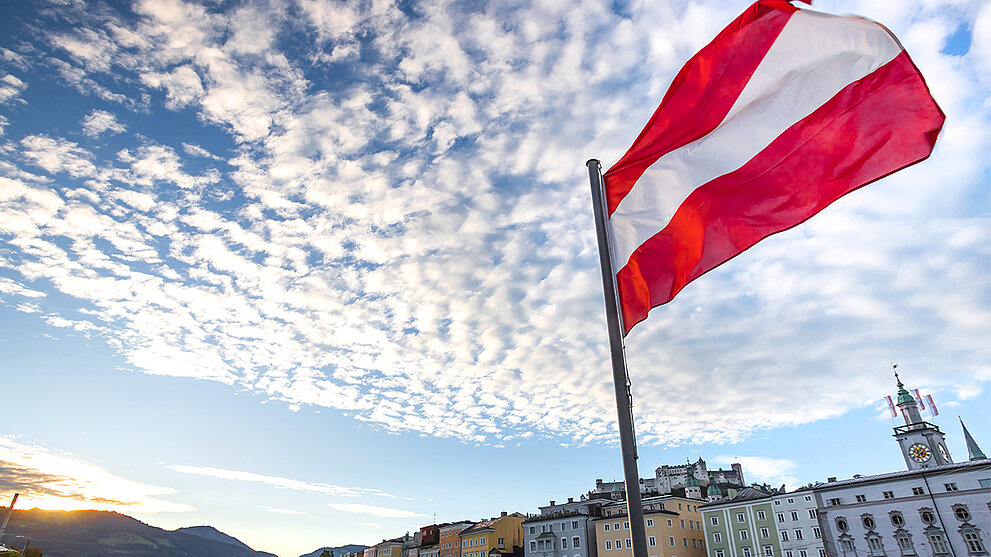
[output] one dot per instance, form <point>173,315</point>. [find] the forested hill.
<point>100,533</point>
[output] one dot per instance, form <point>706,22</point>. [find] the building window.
<point>684,542</point>
<point>626,526</point>
<point>682,524</point>
<point>813,513</point>
<point>918,491</point>
<point>743,535</point>
<point>781,517</point>
<point>938,543</point>
<point>502,542</point>
<point>897,519</point>
<point>714,521</point>
<point>764,533</point>
<point>671,540</point>
<point>629,543</point>
<point>868,522</point>
<point>650,522</point>
<point>927,516</point>
<point>834,502</point>
<point>574,524</point>
<point>720,553</point>
<point>717,537</point>
<point>608,544</point>
<point>794,515</point>
<point>961,512</point>
<point>784,535</point>
<point>605,527</point>
<point>822,552</point>
<point>905,544</point>
<point>950,486</point>
<point>841,525</point>
<point>974,545</point>
<point>790,500</point>
<point>651,542</point>
<point>798,534</point>
<point>564,543</point>
<point>778,502</point>
<point>861,499</point>
<point>739,517</point>
<point>670,524</point>
<point>615,526</point>
<point>875,545</point>
<point>533,545</point>
<point>746,552</point>
<point>768,551</point>
<point>576,542</point>
<point>533,529</point>
<point>984,482</point>
<point>788,553</point>
<point>816,533</point>
<point>803,553</point>
<point>888,494</point>
<point>761,515</point>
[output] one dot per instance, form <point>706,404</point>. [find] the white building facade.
<point>796,516</point>
<point>935,508</point>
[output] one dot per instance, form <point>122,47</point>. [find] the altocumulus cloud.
<point>383,211</point>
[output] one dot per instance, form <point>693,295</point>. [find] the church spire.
<point>973,451</point>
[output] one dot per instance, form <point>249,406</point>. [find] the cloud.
<point>49,480</point>
<point>381,512</point>
<point>282,511</point>
<point>401,230</point>
<point>100,122</point>
<point>10,87</point>
<point>275,481</point>
<point>759,469</point>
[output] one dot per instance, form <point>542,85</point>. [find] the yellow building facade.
<point>497,536</point>
<point>673,528</point>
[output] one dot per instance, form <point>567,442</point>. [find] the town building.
<point>934,508</point>
<point>673,526</point>
<point>742,524</point>
<point>796,517</point>
<point>450,538</point>
<point>564,529</point>
<point>430,541</point>
<point>496,537</point>
<point>389,548</point>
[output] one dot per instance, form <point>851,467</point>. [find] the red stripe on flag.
<point>702,93</point>
<point>873,127</point>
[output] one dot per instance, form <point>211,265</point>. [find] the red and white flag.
<point>785,111</point>
<point>891,406</point>
<point>932,406</point>
<point>918,398</point>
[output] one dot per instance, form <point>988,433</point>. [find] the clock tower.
<point>921,442</point>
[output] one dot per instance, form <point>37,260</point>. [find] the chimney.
<point>552,502</point>
<point>833,479</point>
<point>571,499</point>
<point>502,514</point>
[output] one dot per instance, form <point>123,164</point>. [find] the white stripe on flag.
<point>815,56</point>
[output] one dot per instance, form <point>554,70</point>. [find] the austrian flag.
<point>784,112</point>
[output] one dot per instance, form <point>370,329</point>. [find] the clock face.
<point>919,452</point>
<point>943,453</point>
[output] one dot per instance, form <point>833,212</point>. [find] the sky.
<point>318,273</point>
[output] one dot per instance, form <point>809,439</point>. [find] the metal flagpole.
<point>621,380</point>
